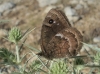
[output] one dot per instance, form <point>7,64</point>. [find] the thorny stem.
<point>17,53</point>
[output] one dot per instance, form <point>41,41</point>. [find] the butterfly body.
<point>58,38</point>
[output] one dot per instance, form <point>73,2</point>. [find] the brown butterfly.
<point>58,38</point>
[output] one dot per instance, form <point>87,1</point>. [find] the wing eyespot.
<point>50,21</point>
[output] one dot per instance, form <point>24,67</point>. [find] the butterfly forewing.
<point>50,29</point>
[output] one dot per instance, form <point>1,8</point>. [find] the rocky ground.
<point>82,14</point>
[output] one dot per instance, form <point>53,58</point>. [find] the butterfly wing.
<point>66,42</point>
<point>54,22</point>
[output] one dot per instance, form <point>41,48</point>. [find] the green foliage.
<point>97,57</point>
<point>59,67</point>
<point>7,56</point>
<point>37,66</point>
<point>14,35</point>
<point>94,47</point>
<point>79,61</point>
<point>4,21</point>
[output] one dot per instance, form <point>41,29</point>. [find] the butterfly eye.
<point>51,21</point>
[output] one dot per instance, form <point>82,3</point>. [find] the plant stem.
<point>17,53</point>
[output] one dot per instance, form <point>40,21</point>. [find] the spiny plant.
<point>58,66</point>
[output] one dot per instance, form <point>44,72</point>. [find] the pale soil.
<point>31,16</point>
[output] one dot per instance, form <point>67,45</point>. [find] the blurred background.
<point>82,14</point>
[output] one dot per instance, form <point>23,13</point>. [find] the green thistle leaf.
<point>7,56</point>
<point>59,67</point>
<point>15,35</point>
<point>97,56</point>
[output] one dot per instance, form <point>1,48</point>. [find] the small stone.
<point>73,1</point>
<point>79,6</point>
<point>82,2</point>
<point>70,11</point>
<point>6,6</point>
<point>96,39</point>
<point>6,12</point>
<point>90,1</point>
<point>3,33</point>
<point>43,3</point>
<point>71,14</point>
<point>19,22</point>
<point>75,18</point>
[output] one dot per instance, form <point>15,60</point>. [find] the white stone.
<point>43,3</point>
<point>75,18</point>
<point>6,6</point>
<point>70,11</point>
<point>79,6</point>
<point>73,1</point>
<point>96,39</point>
<point>91,1</point>
<point>82,2</point>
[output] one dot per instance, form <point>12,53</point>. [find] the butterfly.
<point>58,38</point>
